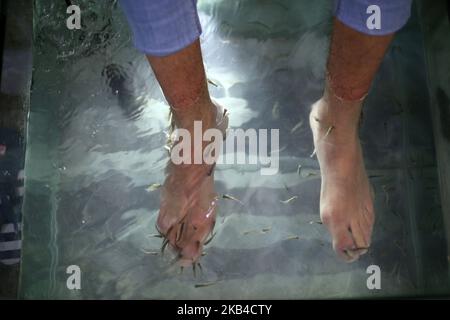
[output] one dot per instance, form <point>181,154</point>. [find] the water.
<point>95,144</point>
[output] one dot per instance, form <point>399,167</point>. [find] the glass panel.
<point>95,145</point>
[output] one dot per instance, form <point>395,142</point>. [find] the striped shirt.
<point>11,194</point>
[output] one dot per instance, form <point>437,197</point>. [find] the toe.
<point>359,233</point>
<point>162,223</point>
<point>343,243</point>
<point>369,212</point>
<point>366,230</point>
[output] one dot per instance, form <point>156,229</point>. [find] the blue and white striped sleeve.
<point>392,15</point>
<point>162,27</point>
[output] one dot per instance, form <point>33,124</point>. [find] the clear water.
<point>95,144</point>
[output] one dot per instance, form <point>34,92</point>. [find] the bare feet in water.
<point>182,181</point>
<point>189,236</point>
<point>346,200</point>
<point>188,200</point>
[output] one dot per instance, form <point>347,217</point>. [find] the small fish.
<point>328,132</point>
<point>299,169</point>
<point>326,135</point>
<point>210,239</point>
<point>153,253</point>
<point>280,150</point>
<point>293,238</point>
<point>230,197</point>
<point>297,126</point>
<point>266,229</point>
<point>249,231</point>
<point>276,110</point>
<point>155,235</point>
<point>309,174</point>
<point>318,222</point>
<point>194,270</point>
<point>205,284</point>
<point>291,199</point>
<point>179,233</point>
<point>153,187</point>
<point>213,83</point>
<point>164,245</point>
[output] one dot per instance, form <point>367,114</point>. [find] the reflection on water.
<point>95,145</point>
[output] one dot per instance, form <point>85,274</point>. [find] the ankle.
<point>330,110</point>
<point>203,110</point>
<point>333,123</point>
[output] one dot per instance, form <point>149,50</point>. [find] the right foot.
<point>191,233</point>
<point>346,201</point>
<point>183,180</point>
<point>188,202</point>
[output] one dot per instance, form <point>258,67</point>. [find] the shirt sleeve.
<point>162,27</point>
<point>360,14</point>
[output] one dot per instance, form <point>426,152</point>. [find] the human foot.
<point>346,201</point>
<point>183,181</point>
<point>189,236</point>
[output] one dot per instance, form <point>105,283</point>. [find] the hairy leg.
<point>346,200</point>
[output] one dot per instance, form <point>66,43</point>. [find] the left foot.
<point>346,201</point>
